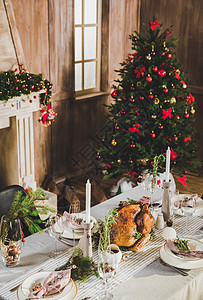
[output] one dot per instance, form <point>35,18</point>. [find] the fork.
<point>183,272</point>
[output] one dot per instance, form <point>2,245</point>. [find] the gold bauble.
<point>154,116</point>
<point>192,110</point>
<point>148,57</point>
<point>184,85</point>
<point>164,86</point>
<point>156,100</point>
<point>114,143</point>
<point>173,100</point>
<point>119,161</point>
<point>139,83</point>
<point>178,72</point>
<point>144,161</point>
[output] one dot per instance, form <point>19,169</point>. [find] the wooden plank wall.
<point>186,16</point>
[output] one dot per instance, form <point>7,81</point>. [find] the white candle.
<point>88,200</point>
<point>168,157</point>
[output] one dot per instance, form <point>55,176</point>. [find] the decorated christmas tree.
<point>152,109</point>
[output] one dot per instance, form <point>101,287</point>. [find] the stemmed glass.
<point>56,229</point>
<point>188,206</point>
<point>75,222</point>
<point>106,270</point>
<point>174,202</point>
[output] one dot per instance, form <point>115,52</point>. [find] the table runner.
<point>137,262</point>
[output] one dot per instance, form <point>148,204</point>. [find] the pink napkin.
<point>76,222</point>
<point>53,284</point>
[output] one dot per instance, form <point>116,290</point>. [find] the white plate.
<point>179,263</point>
<point>68,293</point>
<point>78,234</point>
<point>198,246</point>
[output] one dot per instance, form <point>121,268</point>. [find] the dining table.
<point>141,276</point>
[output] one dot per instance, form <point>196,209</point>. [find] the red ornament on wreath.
<point>165,90</point>
<point>161,73</point>
<point>151,96</point>
<point>114,94</point>
<point>149,78</point>
<point>155,69</point>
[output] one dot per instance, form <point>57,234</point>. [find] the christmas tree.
<point>152,109</point>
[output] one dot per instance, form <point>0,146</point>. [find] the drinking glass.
<point>174,202</point>
<point>56,229</point>
<point>10,232</point>
<point>106,270</point>
<point>75,222</point>
<point>188,206</point>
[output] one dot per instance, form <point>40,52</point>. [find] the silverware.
<point>16,287</point>
<point>63,240</point>
<point>183,272</point>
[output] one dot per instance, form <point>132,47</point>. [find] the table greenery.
<point>24,208</point>
<point>81,267</point>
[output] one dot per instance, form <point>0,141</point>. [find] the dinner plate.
<point>197,246</point>
<point>177,262</point>
<point>79,233</point>
<point>68,293</point>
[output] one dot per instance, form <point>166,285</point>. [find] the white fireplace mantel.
<point>22,109</point>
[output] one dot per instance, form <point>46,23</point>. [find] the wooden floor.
<point>194,185</point>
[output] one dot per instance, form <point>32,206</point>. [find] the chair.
<point>7,195</point>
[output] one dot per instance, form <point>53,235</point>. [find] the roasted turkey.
<point>132,219</point>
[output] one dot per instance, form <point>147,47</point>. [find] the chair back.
<point>7,196</point>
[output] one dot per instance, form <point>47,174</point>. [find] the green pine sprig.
<point>25,209</point>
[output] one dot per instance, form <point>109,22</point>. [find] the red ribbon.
<point>177,76</point>
<point>139,72</point>
<point>135,129</point>
<point>182,180</point>
<point>167,113</point>
<point>154,24</point>
<point>187,139</point>
<point>190,99</point>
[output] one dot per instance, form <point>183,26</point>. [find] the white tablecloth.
<point>154,282</point>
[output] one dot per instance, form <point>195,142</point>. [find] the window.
<point>87,45</point>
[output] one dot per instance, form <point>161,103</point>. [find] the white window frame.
<point>98,50</point>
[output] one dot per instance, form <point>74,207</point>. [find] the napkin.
<point>187,253</point>
<point>53,284</point>
<point>75,221</point>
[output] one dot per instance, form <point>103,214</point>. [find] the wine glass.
<point>56,229</point>
<point>174,202</point>
<point>188,206</point>
<point>75,222</point>
<point>106,270</point>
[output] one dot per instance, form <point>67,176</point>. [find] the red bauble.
<point>16,88</point>
<point>132,145</point>
<point>176,138</point>
<point>35,97</point>
<point>114,94</point>
<point>178,117</point>
<point>153,135</point>
<point>163,53</point>
<point>149,78</point>
<point>155,69</point>
<point>151,96</point>
<point>186,116</point>
<point>165,90</point>
<point>12,251</point>
<point>32,87</point>
<point>30,100</point>
<point>169,55</point>
<point>162,73</point>
<point>23,85</point>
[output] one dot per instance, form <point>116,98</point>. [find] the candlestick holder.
<point>87,240</point>
<point>166,201</point>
